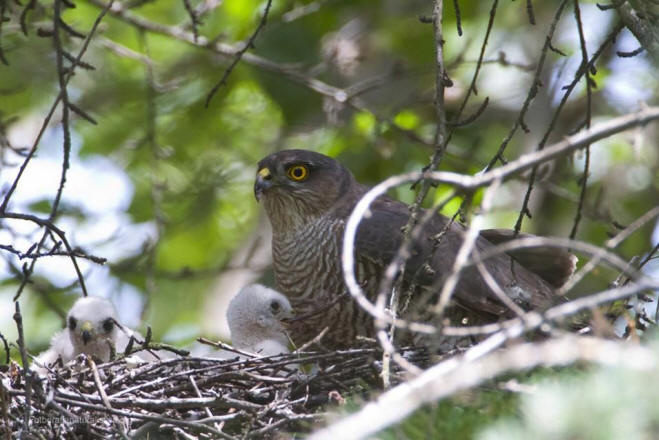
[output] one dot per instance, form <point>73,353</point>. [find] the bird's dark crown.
<point>283,159</point>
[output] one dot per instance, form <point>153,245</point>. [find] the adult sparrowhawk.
<point>308,198</point>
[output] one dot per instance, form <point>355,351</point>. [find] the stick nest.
<point>189,397</point>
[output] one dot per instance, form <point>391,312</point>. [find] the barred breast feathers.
<point>305,259</point>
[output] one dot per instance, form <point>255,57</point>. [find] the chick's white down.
<point>91,325</point>
<point>254,317</point>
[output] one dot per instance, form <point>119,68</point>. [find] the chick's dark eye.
<point>72,323</point>
<point>298,173</point>
<point>275,306</point>
<point>107,325</point>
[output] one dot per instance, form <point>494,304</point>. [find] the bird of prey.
<point>91,325</point>
<point>308,198</point>
<point>255,317</point>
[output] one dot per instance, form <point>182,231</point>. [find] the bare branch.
<point>572,143</point>
<point>444,379</point>
<point>247,45</point>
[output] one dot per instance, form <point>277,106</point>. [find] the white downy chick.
<point>90,325</point>
<point>254,317</point>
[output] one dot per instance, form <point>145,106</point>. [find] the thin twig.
<point>238,56</point>
<point>586,166</point>
<point>533,90</point>
<point>583,69</point>
<point>27,375</point>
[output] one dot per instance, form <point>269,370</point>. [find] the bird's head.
<point>256,313</point>
<point>90,322</point>
<point>295,185</point>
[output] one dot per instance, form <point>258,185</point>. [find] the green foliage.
<point>606,404</point>
<point>458,418</point>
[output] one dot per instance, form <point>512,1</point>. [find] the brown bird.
<point>308,198</point>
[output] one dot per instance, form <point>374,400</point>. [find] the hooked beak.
<point>87,328</point>
<point>287,319</point>
<point>262,183</point>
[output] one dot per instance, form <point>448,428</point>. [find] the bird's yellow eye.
<point>298,172</point>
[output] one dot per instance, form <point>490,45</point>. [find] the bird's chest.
<point>307,265</point>
<point>98,347</point>
<point>307,260</point>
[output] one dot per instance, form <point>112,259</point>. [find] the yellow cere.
<point>264,172</point>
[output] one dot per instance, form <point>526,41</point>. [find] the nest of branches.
<point>189,397</point>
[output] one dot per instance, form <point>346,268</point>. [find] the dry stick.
<point>123,51</point>
<point>562,243</point>
<point>59,379</point>
<point>612,243</point>
<point>165,403</point>
<point>102,394</point>
<point>155,186</point>
<point>302,11</point>
<point>497,289</point>
<point>633,53</point>
<point>448,377</point>
<point>529,12</point>
<point>60,233</point>
<point>474,78</point>
<point>533,90</point>
<point>64,97</point>
<point>586,166</point>
<point>468,244</point>
<point>414,228</point>
<point>6,345</point>
<point>32,255</point>
<point>5,412</point>
<point>316,339</point>
<point>227,347</point>
<point>439,148</point>
<point>532,320</point>
<point>247,45</point>
<point>194,19</point>
<point>386,344</point>
<point>458,21</point>
<point>35,144</point>
<point>583,69</point>
<point>33,150</point>
<point>218,427</point>
<point>136,415</point>
<point>640,18</point>
<point>521,243</point>
<point>346,366</point>
<point>27,374</point>
<point>465,182</point>
<point>196,389</point>
<point>647,258</point>
<point>405,251</point>
<point>206,7</point>
<point>342,96</point>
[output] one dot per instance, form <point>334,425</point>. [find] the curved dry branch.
<point>445,379</point>
<point>470,183</point>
